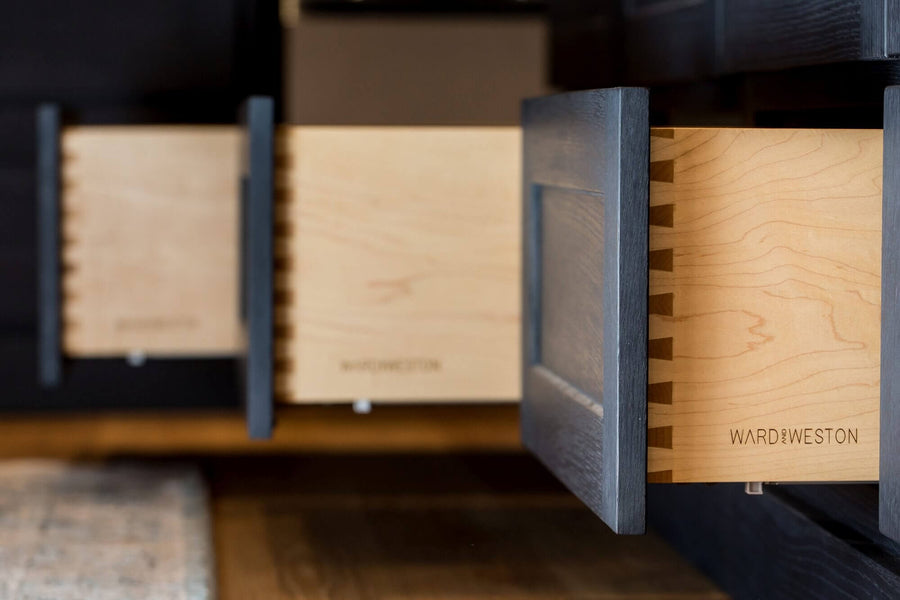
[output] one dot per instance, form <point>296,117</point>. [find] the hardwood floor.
<point>416,526</point>
<point>337,429</point>
<point>397,504</point>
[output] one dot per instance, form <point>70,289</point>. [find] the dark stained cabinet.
<point>664,42</point>
<point>584,405</point>
<point>740,222</point>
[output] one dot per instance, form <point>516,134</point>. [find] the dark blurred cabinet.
<point>150,61</point>
<point>735,62</point>
<point>668,41</point>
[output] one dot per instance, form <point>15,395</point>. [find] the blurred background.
<point>382,62</point>
<point>419,62</point>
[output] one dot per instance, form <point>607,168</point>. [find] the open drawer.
<point>157,242</point>
<point>385,260</point>
<point>697,305</point>
<point>705,305</point>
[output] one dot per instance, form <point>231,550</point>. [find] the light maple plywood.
<point>398,263</point>
<point>765,252</point>
<point>150,240</point>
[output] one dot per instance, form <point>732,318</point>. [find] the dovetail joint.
<point>660,348</point>
<point>662,260</point>
<point>660,437</point>
<point>659,476</point>
<point>660,393</point>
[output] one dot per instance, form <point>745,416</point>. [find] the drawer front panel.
<point>585,296</point>
<point>571,234</point>
<point>889,466</point>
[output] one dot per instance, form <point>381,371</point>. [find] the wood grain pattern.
<point>150,240</point>
<point>438,527</point>
<point>257,185</point>
<point>889,460</point>
<point>397,259</point>
<point>328,429</point>
<point>775,283</point>
<point>771,34</point>
<point>891,29</point>
<point>693,40</point>
<point>775,545</point>
<point>584,327</point>
<point>855,506</point>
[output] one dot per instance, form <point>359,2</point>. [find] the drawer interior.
<point>765,305</point>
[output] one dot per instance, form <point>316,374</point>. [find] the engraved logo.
<point>155,323</point>
<point>795,436</point>
<point>397,366</point>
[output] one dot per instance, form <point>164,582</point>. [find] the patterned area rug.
<point>105,531</point>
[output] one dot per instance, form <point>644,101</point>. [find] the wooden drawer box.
<point>149,230</point>
<point>697,305</point>
<point>764,301</point>
<point>764,305</point>
<point>396,255</point>
<point>751,350</point>
<point>397,263</point>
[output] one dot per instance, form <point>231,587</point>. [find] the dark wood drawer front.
<point>593,190</point>
<point>889,455</point>
<point>584,405</point>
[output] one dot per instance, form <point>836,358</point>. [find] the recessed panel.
<point>571,283</point>
<point>584,402</point>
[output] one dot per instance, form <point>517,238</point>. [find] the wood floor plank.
<point>400,503</point>
<point>406,527</point>
<point>450,428</point>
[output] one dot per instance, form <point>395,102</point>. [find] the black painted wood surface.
<point>144,61</point>
<point>257,199</point>
<point>672,41</point>
<point>585,194</point>
<point>850,506</point>
<point>771,34</point>
<point>892,28</point>
<point>49,338</point>
<point>889,457</point>
<point>772,546</point>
